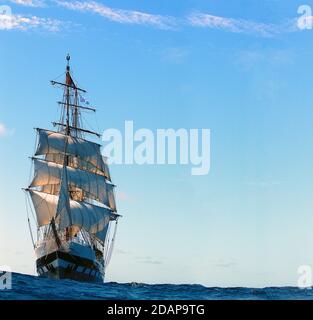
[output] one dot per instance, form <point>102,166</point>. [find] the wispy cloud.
<point>29,3</point>
<point>148,260</point>
<point>222,263</point>
<point>264,184</point>
<point>118,15</point>
<point>204,20</point>
<point>174,55</point>
<point>155,262</point>
<point>250,60</point>
<point>121,251</point>
<point>226,264</point>
<point>125,197</point>
<point>19,22</point>
<point>136,17</point>
<point>4,131</point>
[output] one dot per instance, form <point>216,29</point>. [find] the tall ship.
<point>71,194</point>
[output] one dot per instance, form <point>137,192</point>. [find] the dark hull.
<point>61,265</point>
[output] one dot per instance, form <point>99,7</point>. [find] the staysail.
<point>63,210</point>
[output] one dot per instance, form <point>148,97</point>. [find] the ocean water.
<point>25,287</point>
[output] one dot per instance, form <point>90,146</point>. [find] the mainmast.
<point>68,83</point>
<point>71,107</point>
<point>68,131</point>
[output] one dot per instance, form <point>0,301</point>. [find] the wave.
<point>25,287</point>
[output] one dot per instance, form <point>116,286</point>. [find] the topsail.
<point>87,153</point>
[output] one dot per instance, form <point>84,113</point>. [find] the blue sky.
<point>240,68</point>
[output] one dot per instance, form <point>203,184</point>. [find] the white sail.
<point>111,197</point>
<point>111,247</point>
<point>90,217</point>
<point>93,219</point>
<point>103,234</point>
<point>49,173</point>
<point>51,142</point>
<point>45,206</point>
<point>106,168</point>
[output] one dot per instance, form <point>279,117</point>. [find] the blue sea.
<point>25,287</point>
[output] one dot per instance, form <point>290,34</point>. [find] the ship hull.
<point>78,263</point>
<point>60,265</point>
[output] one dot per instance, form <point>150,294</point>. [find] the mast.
<point>71,106</point>
<point>75,115</point>
<point>68,82</point>
<point>68,130</point>
<point>75,118</point>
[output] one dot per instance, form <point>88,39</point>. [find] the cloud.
<point>195,19</point>
<point>29,3</point>
<point>139,259</point>
<point>264,184</point>
<point>222,263</point>
<point>123,252</point>
<point>134,17</point>
<point>122,196</point>
<point>4,131</point>
<point>148,260</point>
<point>226,264</point>
<point>204,20</point>
<point>19,22</point>
<point>174,55</point>
<point>118,15</point>
<point>156,262</point>
<point>249,60</point>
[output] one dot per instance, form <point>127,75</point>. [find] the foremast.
<point>72,191</point>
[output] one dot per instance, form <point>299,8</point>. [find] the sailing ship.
<point>72,195</point>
